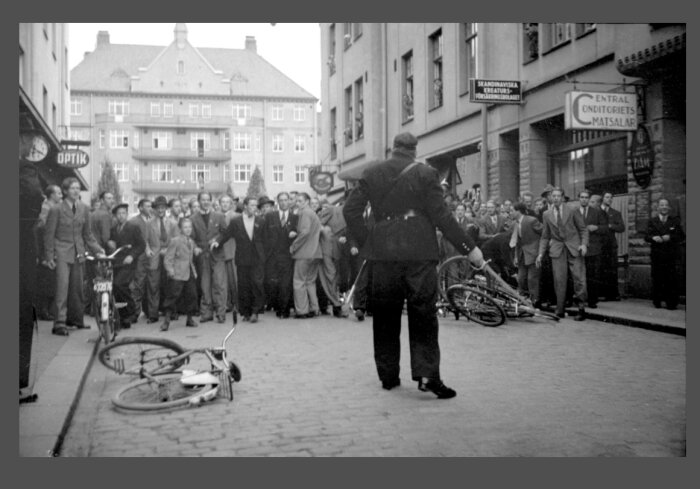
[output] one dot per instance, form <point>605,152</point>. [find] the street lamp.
<point>180,182</point>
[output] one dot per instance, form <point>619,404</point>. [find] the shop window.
<point>531,40</point>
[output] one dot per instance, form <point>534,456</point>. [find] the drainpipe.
<point>484,117</point>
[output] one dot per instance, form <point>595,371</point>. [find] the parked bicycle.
<point>160,385</point>
<point>105,308</point>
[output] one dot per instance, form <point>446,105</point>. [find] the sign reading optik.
<point>600,111</point>
<point>72,158</point>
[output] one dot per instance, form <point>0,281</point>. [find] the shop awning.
<point>636,64</point>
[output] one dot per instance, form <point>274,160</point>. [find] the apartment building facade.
<point>177,120</point>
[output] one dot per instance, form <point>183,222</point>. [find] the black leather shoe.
<point>592,306</point>
<point>165,325</point>
<point>360,315</point>
<point>339,313</point>
<point>174,316</point>
<point>254,318</point>
<point>437,388</point>
<point>581,315</point>
<point>390,384</point>
<point>60,331</point>
<point>220,319</point>
<point>191,323</point>
<point>125,325</point>
<point>204,319</point>
<point>561,315</point>
<point>151,320</point>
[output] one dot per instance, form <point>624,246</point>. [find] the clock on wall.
<point>37,148</point>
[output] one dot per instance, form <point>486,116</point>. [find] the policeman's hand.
<point>342,240</point>
<point>538,261</point>
<point>214,245</point>
<point>476,258</point>
<point>111,245</point>
<point>666,237</point>
<point>197,250</point>
<point>149,252</point>
<point>592,227</point>
<point>584,249</point>
<point>292,234</point>
<point>657,239</point>
<point>128,260</point>
<point>354,251</point>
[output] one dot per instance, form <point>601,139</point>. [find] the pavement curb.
<point>634,323</point>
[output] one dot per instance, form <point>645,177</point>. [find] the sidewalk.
<point>61,364</point>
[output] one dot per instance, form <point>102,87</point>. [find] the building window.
<point>277,112</point>
<point>194,110</point>
<point>299,174</point>
<point>331,49</point>
<point>162,172</point>
<point>122,171</point>
<point>531,39</point>
<point>76,107</point>
<point>227,173</point>
<point>584,28</point>
<point>436,69</point>
<point>206,111</point>
<point>162,140</point>
<point>334,135</point>
<point>241,173</point>
<point>359,110</point>
<point>136,139</point>
<point>167,110</point>
<point>200,173</point>
<point>118,139</point>
<point>200,141</point>
<point>241,111</point>
<point>299,144</point>
<point>347,132</point>
<point>351,31</point>
<point>118,107</point>
<point>468,57</point>
<point>241,141</point>
<point>155,109</point>
<point>555,34</point>
<point>277,174</point>
<point>101,138</point>
<point>180,67</point>
<point>407,88</point>
<point>277,143</point>
<point>226,140</point>
<point>299,112</point>
<point>258,145</point>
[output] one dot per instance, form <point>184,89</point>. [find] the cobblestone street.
<point>309,388</point>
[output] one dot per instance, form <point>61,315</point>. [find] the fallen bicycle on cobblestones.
<point>163,382</point>
<point>481,295</point>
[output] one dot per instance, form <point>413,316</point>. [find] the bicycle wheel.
<point>162,392</point>
<point>476,305</point>
<point>537,313</point>
<point>453,271</point>
<point>131,355</point>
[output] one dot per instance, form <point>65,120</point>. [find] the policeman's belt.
<point>409,213</point>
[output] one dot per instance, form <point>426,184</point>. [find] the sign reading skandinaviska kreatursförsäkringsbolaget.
<point>495,91</point>
<point>607,111</point>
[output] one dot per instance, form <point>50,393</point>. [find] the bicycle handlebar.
<point>108,257</point>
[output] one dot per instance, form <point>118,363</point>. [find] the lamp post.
<point>180,182</point>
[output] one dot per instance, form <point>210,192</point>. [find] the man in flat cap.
<point>407,203</point>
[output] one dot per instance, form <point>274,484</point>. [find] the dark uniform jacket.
<point>277,240</point>
<point>406,212</point>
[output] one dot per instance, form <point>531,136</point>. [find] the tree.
<point>109,182</point>
<point>256,187</point>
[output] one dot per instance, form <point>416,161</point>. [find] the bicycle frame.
<point>105,314</point>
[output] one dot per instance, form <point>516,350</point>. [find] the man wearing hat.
<point>407,203</point>
<point>124,233</point>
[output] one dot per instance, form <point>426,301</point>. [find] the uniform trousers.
<point>392,283</point>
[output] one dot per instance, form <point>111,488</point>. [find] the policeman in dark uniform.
<point>407,204</point>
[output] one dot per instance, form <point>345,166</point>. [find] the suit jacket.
<point>154,241</point>
<point>67,234</point>
<point>277,240</point>
<point>144,227</point>
<point>130,234</point>
<point>179,258</point>
<point>307,244</point>
<point>672,227</point>
<point>204,234</point>
<point>101,225</point>
<point>573,232</point>
<point>596,238</point>
<point>615,225</point>
<point>487,229</point>
<point>406,238</point>
<point>248,252</point>
<point>528,242</point>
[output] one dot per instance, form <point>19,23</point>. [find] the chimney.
<point>251,44</point>
<point>102,38</point>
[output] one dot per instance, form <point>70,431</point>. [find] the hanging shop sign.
<point>642,157</point>
<point>72,158</point>
<point>600,111</point>
<point>321,182</point>
<point>494,91</point>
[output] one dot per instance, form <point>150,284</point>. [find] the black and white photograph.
<point>352,240</point>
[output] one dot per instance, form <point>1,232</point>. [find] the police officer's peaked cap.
<point>160,200</point>
<point>405,140</point>
<point>119,206</point>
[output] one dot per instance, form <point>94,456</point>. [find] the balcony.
<point>180,154</point>
<point>147,187</point>
<point>179,121</point>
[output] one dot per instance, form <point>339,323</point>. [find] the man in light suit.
<point>306,251</point>
<point>211,264</point>
<point>566,237</point>
<point>162,230</point>
<point>67,235</point>
<point>525,238</point>
<point>597,224</point>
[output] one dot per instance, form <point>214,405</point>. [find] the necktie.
<point>284,218</point>
<point>163,232</point>
<point>557,211</point>
<point>73,208</point>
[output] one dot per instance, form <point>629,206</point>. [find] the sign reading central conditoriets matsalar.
<point>600,111</point>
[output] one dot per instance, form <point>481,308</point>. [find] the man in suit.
<point>68,234</point>
<point>528,199</point>
<point>492,223</point>
<point>332,229</point>
<point>565,235</point>
<point>247,230</point>
<point>306,252</point>
<point>279,264</point>
<point>229,212</point>
<point>180,270</point>
<point>597,224</point>
<point>525,239</point>
<point>45,294</point>
<point>664,234</point>
<point>124,233</point>
<point>407,203</point>
<point>162,230</point>
<point>609,286</point>
<point>138,283</point>
<point>211,263</point>
<point>101,219</point>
